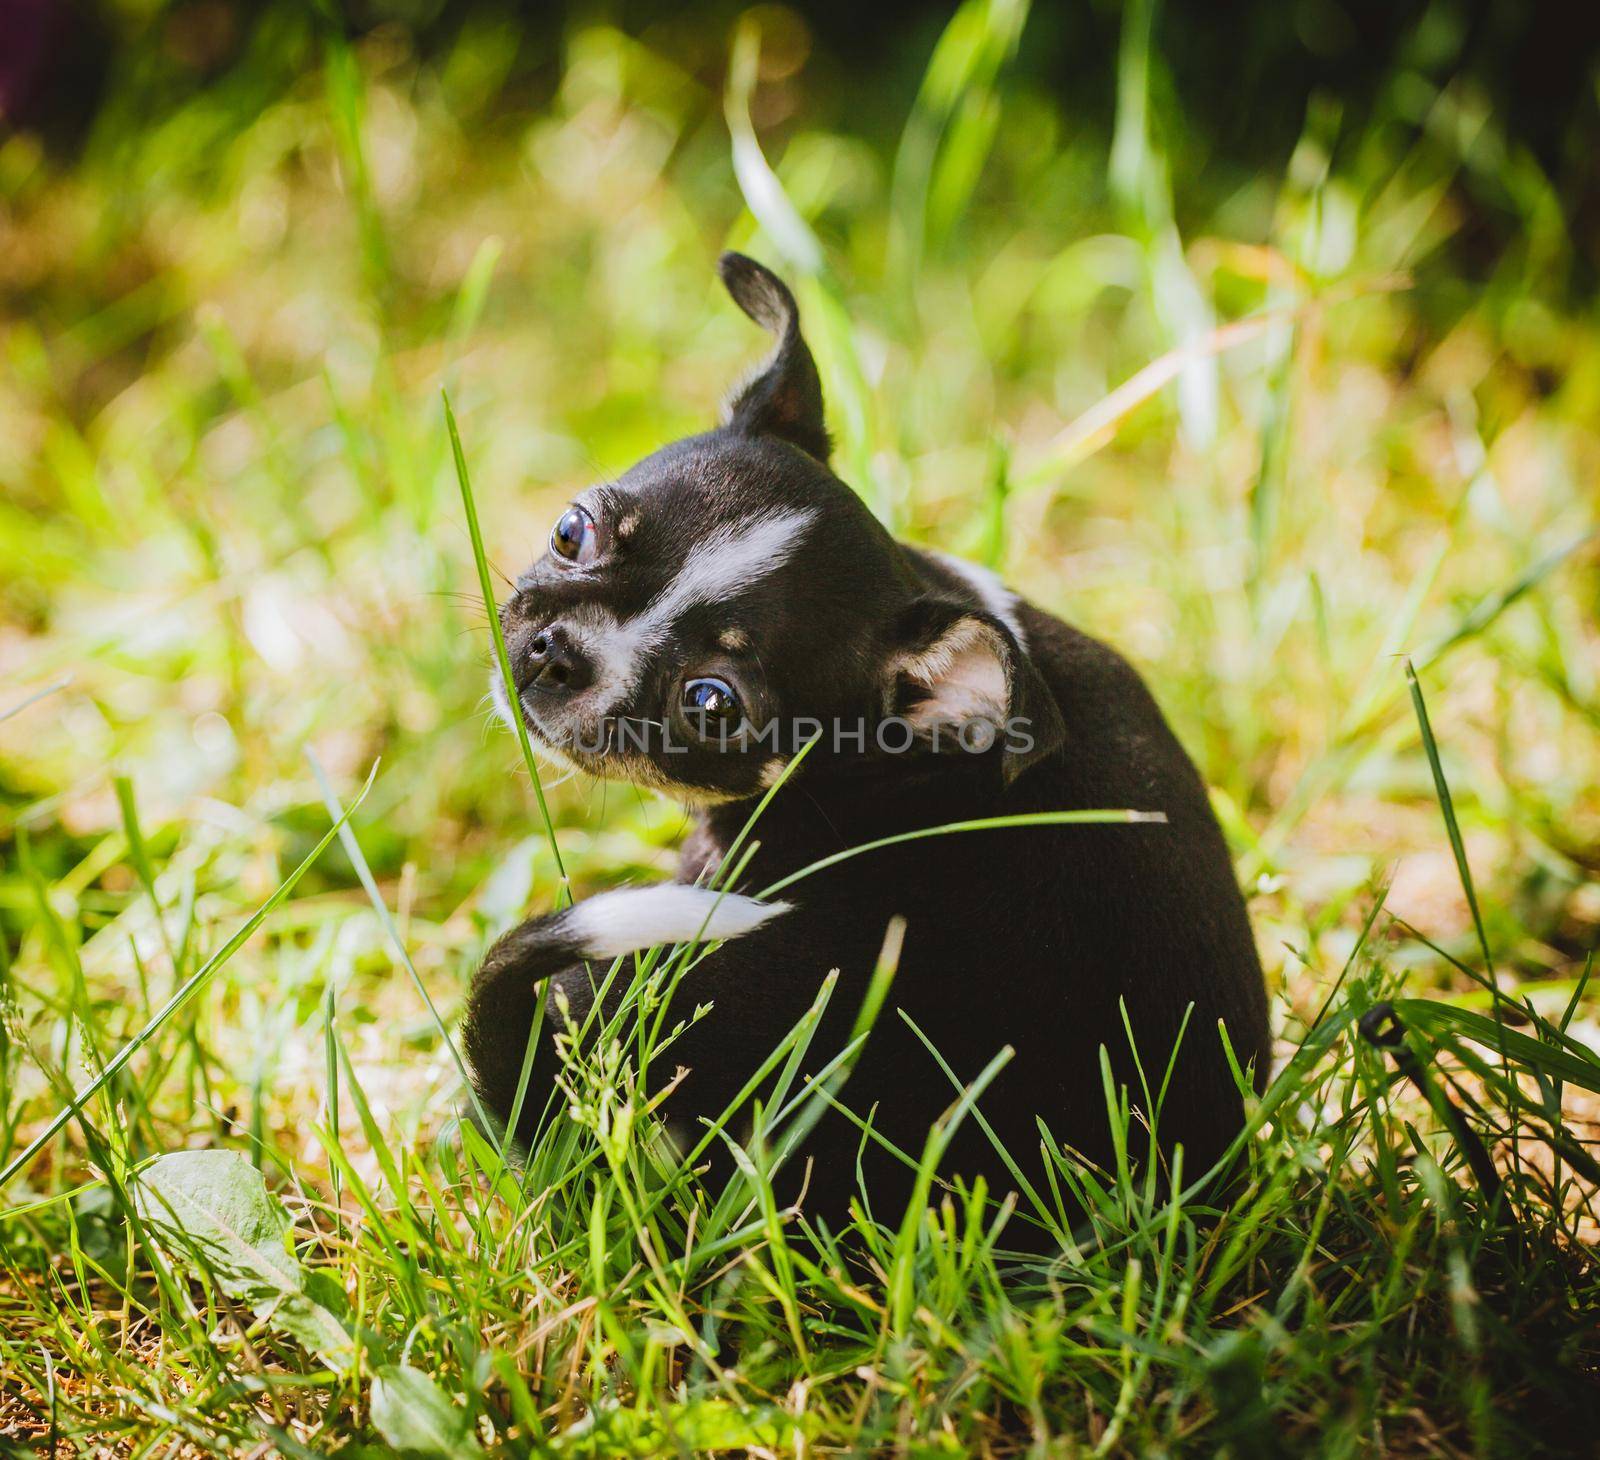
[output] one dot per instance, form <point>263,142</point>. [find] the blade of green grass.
<point>181,996</point>
<point>502,660</point>
<point>358,860</point>
<point>953,828</point>
<point>44,692</point>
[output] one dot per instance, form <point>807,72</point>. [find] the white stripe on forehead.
<point>722,565</point>
<point>730,558</point>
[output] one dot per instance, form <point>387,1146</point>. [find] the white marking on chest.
<point>723,564</point>
<point>632,919</point>
<point>995,597</point>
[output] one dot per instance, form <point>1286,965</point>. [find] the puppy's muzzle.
<point>552,663</point>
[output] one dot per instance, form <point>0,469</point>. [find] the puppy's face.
<point>686,614</point>
<point>691,622</point>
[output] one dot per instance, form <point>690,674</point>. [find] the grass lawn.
<point>1325,474</point>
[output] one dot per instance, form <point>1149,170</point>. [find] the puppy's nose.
<point>556,665</point>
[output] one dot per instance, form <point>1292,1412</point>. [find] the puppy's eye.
<point>575,537</point>
<point>711,705</point>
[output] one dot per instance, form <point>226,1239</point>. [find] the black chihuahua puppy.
<point>729,601</point>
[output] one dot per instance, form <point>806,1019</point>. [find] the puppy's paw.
<point>632,919</point>
<point>611,925</point>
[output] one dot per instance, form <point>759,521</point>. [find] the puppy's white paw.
<point>631,919</point>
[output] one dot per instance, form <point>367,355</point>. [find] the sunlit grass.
<point>232,533</point>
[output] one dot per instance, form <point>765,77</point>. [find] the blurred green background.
<point>241,250</point>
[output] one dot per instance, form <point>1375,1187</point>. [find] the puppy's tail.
<point>507,989</point>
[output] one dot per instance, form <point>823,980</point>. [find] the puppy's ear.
<point>785,399</point>
<point>958,668</point>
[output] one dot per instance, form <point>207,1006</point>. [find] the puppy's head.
<point>696,621</point>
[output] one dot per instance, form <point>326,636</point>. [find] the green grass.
<point>1268,438</point>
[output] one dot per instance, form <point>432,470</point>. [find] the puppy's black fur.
<point>738,556</point>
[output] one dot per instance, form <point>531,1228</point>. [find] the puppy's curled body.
<point>1036,938</point>
<point>1056,941</point>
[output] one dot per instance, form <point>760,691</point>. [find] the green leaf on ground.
<point>413,1414</point>
<point>212,1212</point>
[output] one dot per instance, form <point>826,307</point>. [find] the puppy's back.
<point>1155,909</point>
<point>1054,940</point>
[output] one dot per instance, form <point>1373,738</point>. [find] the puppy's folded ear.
<point>785,398</point>
<point>959,669</point>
